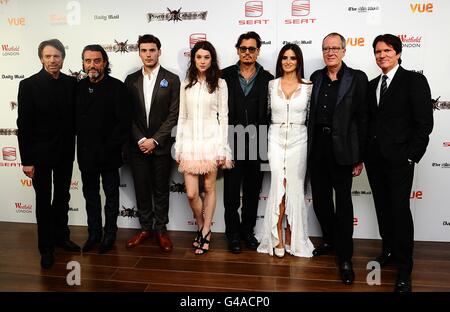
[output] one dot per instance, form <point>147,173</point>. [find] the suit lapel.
<point>316,89</point>
<point>346,82</point>
<point>138,84</point>
<point>392,86</point>
<point>161,75</point>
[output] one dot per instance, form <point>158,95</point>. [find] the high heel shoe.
<point>287,248</point>
<point>197,239</point>
<point>279,252</point>
<point>204,241</point>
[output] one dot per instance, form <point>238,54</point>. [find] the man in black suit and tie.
<point>46,124</point>
<point>155,94</point>
<point>103,126</point>
<point>400,122</point>
<point>337,129</point>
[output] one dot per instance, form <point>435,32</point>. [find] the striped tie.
<point>383,86</point>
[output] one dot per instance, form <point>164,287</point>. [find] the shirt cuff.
<point>141,140</point>
<point>156,142</point>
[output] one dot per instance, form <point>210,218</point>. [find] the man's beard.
<point>93,74</point>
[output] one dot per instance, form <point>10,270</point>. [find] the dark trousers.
<point>151,175</point>
<point>326,175</point>
<point>391,183</point>
<point>52,215</point>
<point>91,193</point>
<point>248,174</point>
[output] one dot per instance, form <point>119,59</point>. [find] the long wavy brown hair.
<point>212,73</point>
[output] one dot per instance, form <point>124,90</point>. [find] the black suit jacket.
<point>163,111</point>
<point>349,128</point>
<point>46,127</point>
<point>403,120</point>
<point>103,123</point>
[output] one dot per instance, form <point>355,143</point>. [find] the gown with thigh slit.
<point>287,160</point>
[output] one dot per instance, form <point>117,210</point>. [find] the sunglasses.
<point>250,49</point>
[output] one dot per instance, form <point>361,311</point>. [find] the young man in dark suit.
<point>337,129</point>
<point>46,124</point>
<point>155,97</point>
<point>401,120</point>
<point>103,124</point>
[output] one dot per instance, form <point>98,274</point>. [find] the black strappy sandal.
<point>197,239</point>
<point>202,243</point>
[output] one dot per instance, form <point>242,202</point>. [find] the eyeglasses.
<point>331,49</point>
<point>250,49</point>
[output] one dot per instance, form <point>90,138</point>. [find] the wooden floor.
<point>145,268</point>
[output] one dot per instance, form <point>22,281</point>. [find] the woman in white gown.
<point>201,145</point>
<point>289,97</point>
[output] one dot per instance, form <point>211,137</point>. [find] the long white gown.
<point>287,160</point>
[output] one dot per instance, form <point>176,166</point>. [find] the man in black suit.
<point>247,83</point>
<point>400,122</point>
<point>337,129</point>
<point>46,135</point>
<point>155,95</point>
<point>103,126</point>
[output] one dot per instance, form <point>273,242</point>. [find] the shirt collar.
<point>154,72</point>
<point>390,74</point>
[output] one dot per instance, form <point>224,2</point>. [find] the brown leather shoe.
<point>164,242</point>
<point>138,238</point>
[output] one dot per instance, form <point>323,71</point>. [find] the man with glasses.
<point>337,128</point>
<point>400,122</point>
<point>247,83</point>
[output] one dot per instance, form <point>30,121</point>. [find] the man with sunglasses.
<point>247,83</point>
<point>337,129</point>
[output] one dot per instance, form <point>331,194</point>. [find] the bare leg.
<point>192,192</point>
<point>209,206</point>
<point>280,220</point>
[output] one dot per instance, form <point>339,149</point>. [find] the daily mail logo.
<point>9,153</point>
<point>253,8</point>
<point>197,37</point>
<point>301,7</point>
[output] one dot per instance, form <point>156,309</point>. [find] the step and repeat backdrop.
<point>423,27</point>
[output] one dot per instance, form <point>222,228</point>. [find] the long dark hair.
<point>98,48</point>
<point>212,73</point>
<point>298,54</point>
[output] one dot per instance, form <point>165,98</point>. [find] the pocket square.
<point>164,83</point>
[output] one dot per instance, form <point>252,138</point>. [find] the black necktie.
<point>383,85</point>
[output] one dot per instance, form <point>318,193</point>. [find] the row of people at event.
<point>322,129</point>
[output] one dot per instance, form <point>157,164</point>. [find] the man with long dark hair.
<point>103,125</point>
<point>247,83</point>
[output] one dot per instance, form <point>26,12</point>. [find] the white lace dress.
<point>287,159</point>
<point>202,130</point>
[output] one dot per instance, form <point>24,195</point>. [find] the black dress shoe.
<point>68,245</point>
<point>47,260</point>
<point>234,245</point>
<point>384,258</point>
<point>347,273</point>
<point>403,284</point>
<point>323,249</point>
<point>251,242</point>
<point>107,244</point>
<point>91,242</point>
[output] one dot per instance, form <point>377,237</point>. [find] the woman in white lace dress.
<point>289,96</point>
<point>202,136</point>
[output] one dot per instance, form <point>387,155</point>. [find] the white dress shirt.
<point>148,85</point>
